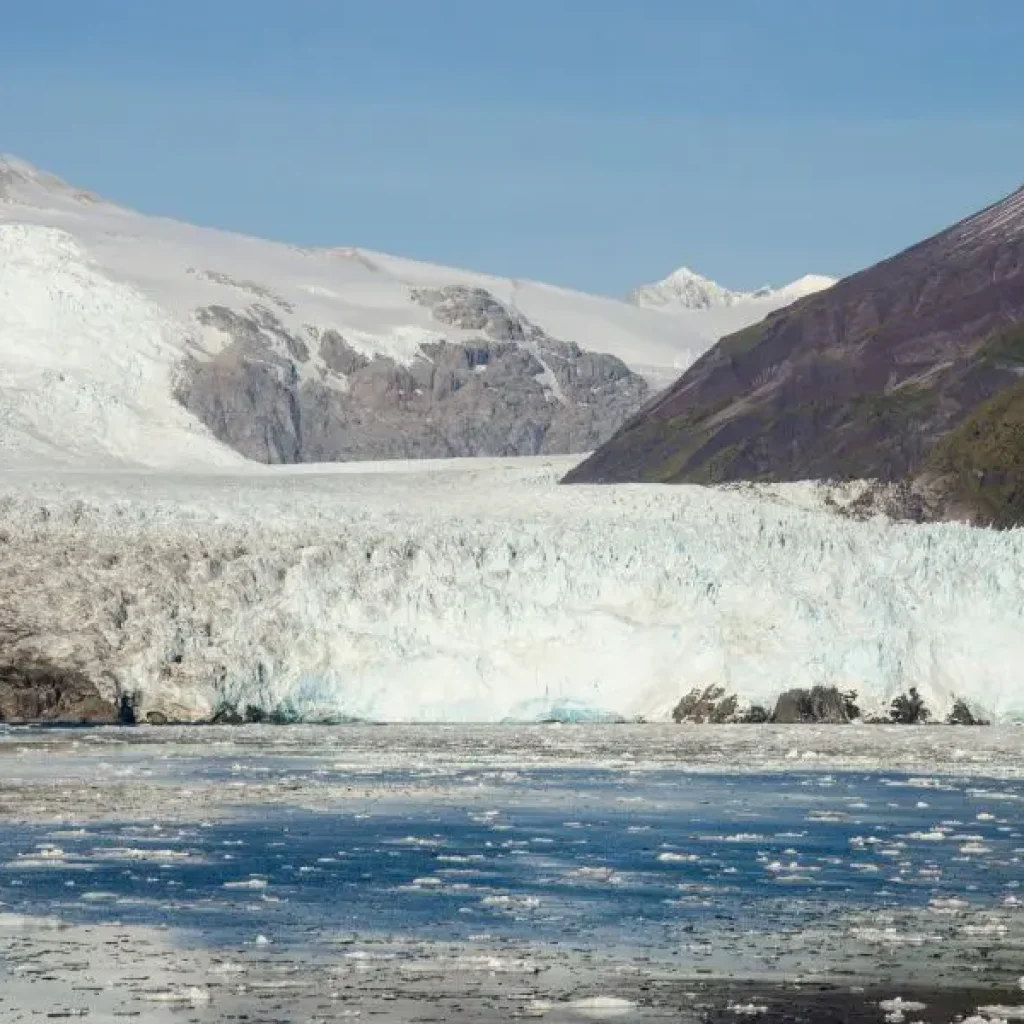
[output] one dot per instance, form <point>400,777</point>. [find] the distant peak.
<point>686,289</point>
<point>20,180</point>
<point>15,165</point>
<point>14,169</point>
<point>806,285</point>
<point>686,274</point>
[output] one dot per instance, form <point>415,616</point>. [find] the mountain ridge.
<point>686,289</point>
<point>282,352</point>
<point>862,380</point>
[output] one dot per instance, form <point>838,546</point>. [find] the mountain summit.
<point>21,182</point>
<point>686,289</point>
<point>912,369</point>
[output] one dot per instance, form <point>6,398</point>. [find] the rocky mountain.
<point>685,289</point>
<point>511,389</point>
<point>908,371</point>
<point>129,338</point>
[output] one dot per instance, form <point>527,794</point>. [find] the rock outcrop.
<point>710,706</point>
<point>35,691</point>
<point>514,390</point>
<point>962,714</point>
<point>910,370</point>
<point>821,705</point>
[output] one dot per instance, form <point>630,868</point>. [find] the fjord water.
<point>760,852</point>
<point>314,840</point>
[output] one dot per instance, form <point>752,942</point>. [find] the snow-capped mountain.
<point>436,590</point>
<point>134,338</point>
<point>686,290</point>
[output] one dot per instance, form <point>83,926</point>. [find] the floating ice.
<point>192,996</point>
<point>602,1006</point>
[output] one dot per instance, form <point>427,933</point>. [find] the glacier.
<point>481,591</point>
<point>138,549</point>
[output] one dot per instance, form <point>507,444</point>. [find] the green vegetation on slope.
<point>900,407</point>
<point>982,461</point>
<point>742,341</point>
<point>1005,347</point>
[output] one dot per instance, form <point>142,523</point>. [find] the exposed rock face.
<point>512,391</point>
<point>909,709</point>
<point>823,705</point>
<point>710,706</point>
<point>961,714</point>
<point>861,380</point>
<point>41,692</point>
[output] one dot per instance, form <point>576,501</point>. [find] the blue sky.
<point>593,143</point>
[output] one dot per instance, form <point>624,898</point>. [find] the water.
<point>651,861</point>
<point>480,874</point>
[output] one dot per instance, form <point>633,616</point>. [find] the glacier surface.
<point>480,590</point>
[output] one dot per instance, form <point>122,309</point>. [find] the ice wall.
<point>483,591</point>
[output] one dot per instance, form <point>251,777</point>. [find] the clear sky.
<point>593,143</point>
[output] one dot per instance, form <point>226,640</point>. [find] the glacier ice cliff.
<point>479,590</point>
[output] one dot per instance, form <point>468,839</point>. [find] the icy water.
<point>583,858</point>
<point>611,868</point>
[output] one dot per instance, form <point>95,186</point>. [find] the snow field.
<point>98,310</point>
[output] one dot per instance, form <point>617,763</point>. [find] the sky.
<point>597,144</point>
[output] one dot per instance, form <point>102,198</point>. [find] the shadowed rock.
<point>36,691</point>
<point>512,391</point>
<point>823,705</point>
<point>339,356</point>
<point>961,714</point>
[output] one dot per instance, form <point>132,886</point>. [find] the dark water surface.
<point>314,875</point>
<point>590,858</point>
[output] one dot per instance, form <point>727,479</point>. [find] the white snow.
<point>98,303</point>
<point>685,289</point>
<point>602,1006</point>
<point>86,364</point>
<point>192,996</point>
<point>480,590</point>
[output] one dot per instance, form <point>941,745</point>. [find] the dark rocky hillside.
<point>908,370</point>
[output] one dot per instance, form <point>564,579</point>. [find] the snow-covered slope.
<point>363,293</point>
<point>113,304</point>
<point>686,290</point>
<point>86,363</point>
<point>480,590</point>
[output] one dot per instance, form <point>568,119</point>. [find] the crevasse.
<point>482,591</point>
